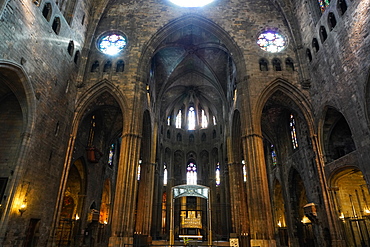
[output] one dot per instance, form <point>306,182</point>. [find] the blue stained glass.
<point>323,5</point>
<point>112,44</point>
<point>111,154</point>
<point>271,41</point>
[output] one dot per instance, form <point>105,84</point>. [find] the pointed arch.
<point>290,91</point>
<point>16,91</point>
<point>92,93</point>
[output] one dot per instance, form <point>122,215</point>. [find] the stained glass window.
<point>191,174</point>
<point>273,155</point>
<point>168,120</point>
<point>165,175</point>
<point>191,118</point>
<point>191,3</point>
<point>139,170</point>
<point>204,120</point>
<point>112,44</point>
<point>323,5</point>
<point>293,132</point>
<point>244,171</point>
<point>111,155</point>
<point>178,119</point>
<point>218,179</point>
<point>271,41</point>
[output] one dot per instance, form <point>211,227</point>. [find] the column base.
<point>263,243</point>
<point>120,241</point>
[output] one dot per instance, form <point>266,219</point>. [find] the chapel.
<point>160,123</point>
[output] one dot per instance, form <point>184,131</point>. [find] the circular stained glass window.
<point>112,44</point>
<point>271,41</point>
<point>191,3</point>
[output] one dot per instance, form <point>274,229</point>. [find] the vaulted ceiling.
<point>192,66</point>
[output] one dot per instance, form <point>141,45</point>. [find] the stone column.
<point>259,204</point>
<point>239,211</point>
<point>145,200</point>
<point>123,217</point>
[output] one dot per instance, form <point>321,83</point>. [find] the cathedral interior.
<point>190,123</point>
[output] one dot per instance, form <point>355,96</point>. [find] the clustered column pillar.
<point>259,205</point>
<point>238,202</point>
<point>123,218</point>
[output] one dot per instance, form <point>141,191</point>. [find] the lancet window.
<point>293,132</point>
<point>191,173</point>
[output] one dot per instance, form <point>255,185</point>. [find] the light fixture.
<point>23,207</point>
<point>77,217</point>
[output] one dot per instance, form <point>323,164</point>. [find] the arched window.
<point>191,118</point>
<point>56,25</point>
<point>139,170</point>
<point>191,174</point>
<point>168,121</point>
<point>179,119</point>
<point>218,179</point>
<point>111,155</point>
<point>165,175</point>
<point>323,34</point>
<point>342,6</point>
<point>289,64</point>
<point>214,120</point>
<point>71,47</point>
<point>168,134</point>
<point>95,66</point>
<point>276,63</point>
<point>204,137</point>
<point>315,45</point>
<point>293,133</point>
<point>120,66</point>
<point>244,171</point>
<point>332,21</point>
<point>179,137</point>
<point>77,57</point>
<point>46,11</point>
<point>204,120</point>
<point>107,66</point>
<point>264,65</point>
<point>323,5</point>
<point>273,155</point>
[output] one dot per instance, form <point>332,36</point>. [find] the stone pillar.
<point>259,204</point>
<point>145,200</point>
<point>123,215</point>
<point>239,210</point>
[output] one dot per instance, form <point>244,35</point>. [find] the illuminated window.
<point>165,175</point>
<point>178,119</point>
<point>214,120</point>
<point>111,155</point>
<point>139,170</point>
<point>273,155</point>
<point>191,174</point>
<point>244,171</point>
<point>191,118</point>
<point>271,41</point>
<point>191,3</point>
<point>293,132</point>
<point>168,120</point>
<point>323,5</point>
<point>112,44</point>
<point>204,120</point>
<point>218,179</point>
